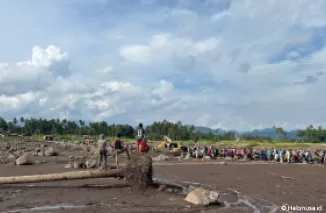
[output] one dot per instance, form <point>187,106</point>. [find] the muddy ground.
<point>250,187</point>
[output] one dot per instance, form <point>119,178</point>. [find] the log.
<point>61,176</point>
<point>138,174</point>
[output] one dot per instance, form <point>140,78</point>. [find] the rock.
<point>77,165</point>
<point>187,157</point>
<point>69,166</point>
<point>160,158</point>
<point>8,146</point>
<point>169,190</point>
<point>38,150</point>
<point>90,164</point>
<point>23,160</point>
<point>50,152</point>
<point>178,158</point>
<point>207,158</point>
<point>11,156</point>
<point>162,188</point>
<point>202,197</point>
<point>18,153</point>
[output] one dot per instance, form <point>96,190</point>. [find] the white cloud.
<point>34,74</point>
<point>228,64</point>
<point>162,47</point>
<point>163,89</point>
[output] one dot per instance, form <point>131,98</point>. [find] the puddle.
<point>45,208</point>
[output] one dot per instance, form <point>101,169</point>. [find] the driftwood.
<point>61,176</point>
<point>138,174</point>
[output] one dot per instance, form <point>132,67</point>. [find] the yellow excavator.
<point>168,143</point>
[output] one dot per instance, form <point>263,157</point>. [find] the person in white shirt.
<point>288,155</point>
<point>276,155</point>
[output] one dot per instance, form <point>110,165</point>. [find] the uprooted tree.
<point>138,173</point>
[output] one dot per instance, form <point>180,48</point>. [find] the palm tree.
<point>14,121</point>
<point>22,121</point>
<point>274,130</point>
<point>81,124</point>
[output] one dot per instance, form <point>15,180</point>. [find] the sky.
<point>230,64</point>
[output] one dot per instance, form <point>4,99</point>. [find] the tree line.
<point>312,134</point>
<point>155,131</point>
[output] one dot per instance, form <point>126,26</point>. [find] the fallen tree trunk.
<point>138,174</point>
<point>62,176</point>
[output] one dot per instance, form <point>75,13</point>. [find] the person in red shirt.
<point>245,153</point>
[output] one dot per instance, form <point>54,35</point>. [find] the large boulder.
<point>202,197</point>
<point>23,160</point>
<point>90,164</point>
<point>50,152</point>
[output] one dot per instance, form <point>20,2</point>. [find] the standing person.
<point>280,152</point>
<point>219,152</point>
<point>119,148</point>
<point>141,134</point>
<point>223,152</point>
<point>288,156</point>
<point>245,153</point>
<point>196,149</point>
<point>103,151</point>
<point>210,152</point>
<point>276,155</point>
<point>269,154</point>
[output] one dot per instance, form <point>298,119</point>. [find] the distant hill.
<point>206,130</point>
<point>267,132</point>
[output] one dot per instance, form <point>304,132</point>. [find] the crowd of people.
<point>197,151</point>
<point>273,154</point>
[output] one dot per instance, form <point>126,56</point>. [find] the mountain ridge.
<point>266,132</point>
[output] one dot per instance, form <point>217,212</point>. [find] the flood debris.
<point>139,172</point>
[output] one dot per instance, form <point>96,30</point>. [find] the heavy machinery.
<point>169,144</point>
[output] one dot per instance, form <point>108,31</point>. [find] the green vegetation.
<point>71,130</point>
